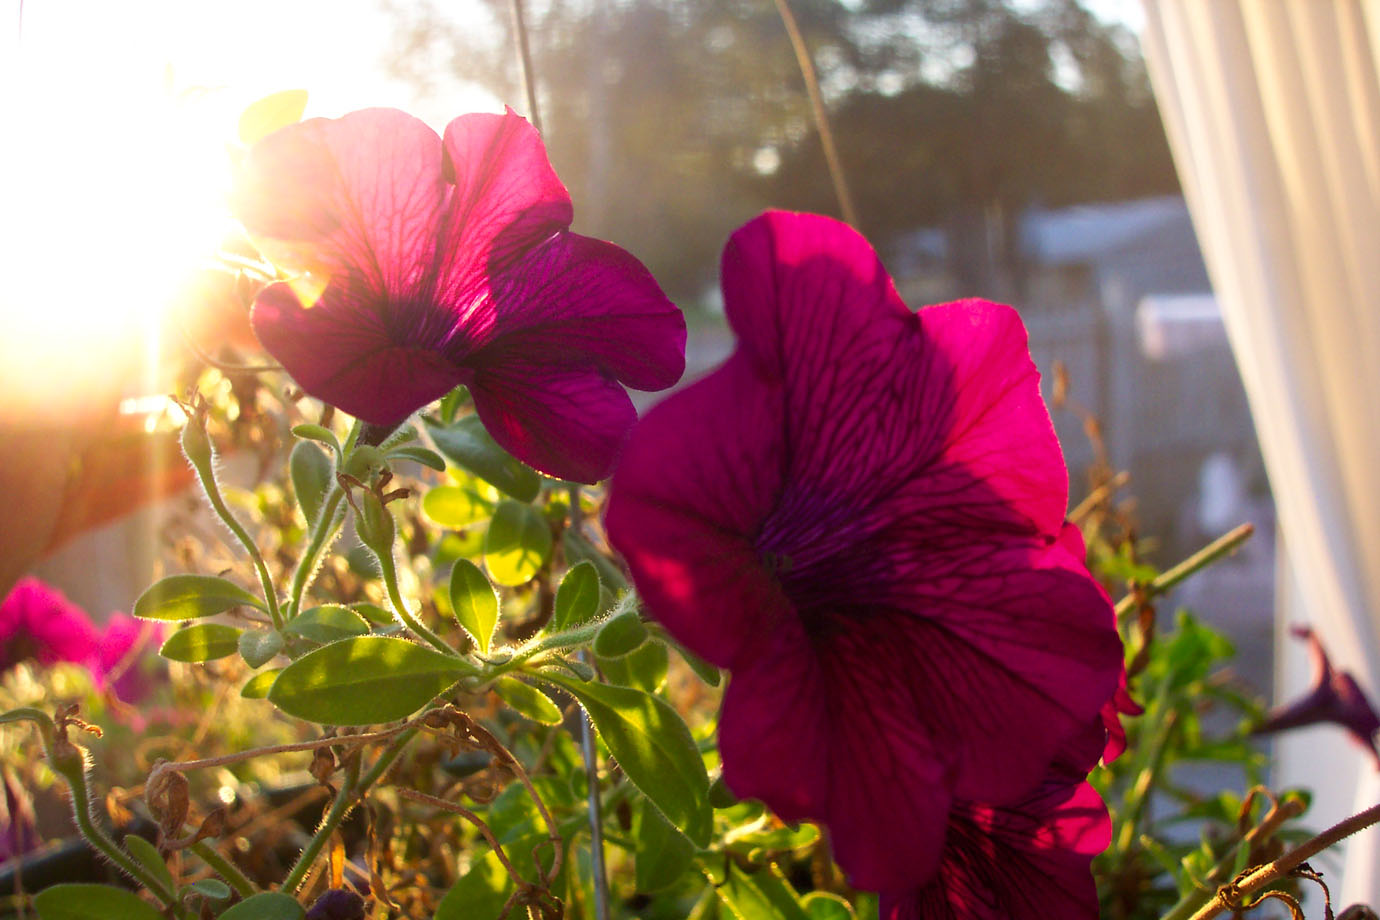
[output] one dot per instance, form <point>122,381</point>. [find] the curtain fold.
<point>1272,108</point>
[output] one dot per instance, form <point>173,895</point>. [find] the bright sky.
<point>113,167</point>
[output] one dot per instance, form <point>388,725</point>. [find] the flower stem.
<point>529,84</point>
<point>390,582</point>
<point>1222,546</point>
<point>73,772</point>
<point>224,868</point>
<point>352,789</point>
<point>322,531</point>
<point>207,475</point>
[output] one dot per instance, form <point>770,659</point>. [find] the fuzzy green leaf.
<point>187,597</point>
<point>516,544</point>
<point>203,642</point>
<point>474,602</point>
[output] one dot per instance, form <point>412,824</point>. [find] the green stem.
<point>322,532</point>
<point>224,868</point>
<point>208,484</point>
<point>1139,794</point>
<point>73,771</point>
<point>390,582</point>
<point>1223,545</point>
<point>352,789</point>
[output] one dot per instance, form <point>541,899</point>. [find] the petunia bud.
<point>196,445</point>
<point>337,904</point>
<point>374,523</point>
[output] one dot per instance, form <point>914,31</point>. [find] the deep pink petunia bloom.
<point>858,514</point>
<point>1027,861</point>
<point>448,261</point>
<point>1334,697</point>
<point>120,656</point>
<point>38,621</point>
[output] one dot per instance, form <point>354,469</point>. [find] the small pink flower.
<point>121,661</point>
<point>448,261</point>
<point>860,515</point>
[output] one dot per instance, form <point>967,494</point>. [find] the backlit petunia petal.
<point>506,199</point>
<point>342,350</point>
<point>1030,861</point>
<point>358,195</point>
<point>567,423</point>
<point>582,302</point>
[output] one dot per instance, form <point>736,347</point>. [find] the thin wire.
<point>826,136</point>
<point>529,85</point>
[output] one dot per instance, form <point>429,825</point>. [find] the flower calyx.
<point>373,521</point>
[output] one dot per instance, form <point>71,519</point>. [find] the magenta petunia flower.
<point>858,514</point>
<point>1334,697</point>
<point>38,621</point>
<point>429,263</point>
<point>1027,861</point>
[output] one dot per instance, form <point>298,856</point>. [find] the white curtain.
<point>1272,108</point>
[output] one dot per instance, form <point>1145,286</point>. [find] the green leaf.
<point>663,854</point>
<point>456,506</point>
<point>373,613</point>
<point>703,669</point>
<point>483,891</point>
<point>269,905</point>
<point>644,667</point>
<point>451,403</point>
<point>474,602</point>
<point>187,597</point>
<point>654,748</point>
<point>328,623</point>
<point>270,113</point>
<point>363,681</point>
<point>84,902</point>
<point>147,855</point>
<point>517,543</point>
<point>760,895</point>
<point>528,701</point>
<point>318,433</point>
<point>424,456</point>
<point>259,646</point>
<point>203,642</point>
<point>825,905</point>
<point>469,446</point>
<point>579,549</point>
<point>311,473</point>
<point>577,599</point>
<point>257,687</point>
<point>620,635</point>
<point>212,888</point>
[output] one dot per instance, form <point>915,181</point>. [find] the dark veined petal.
<point>897,477</point>
<point>565,422</point>
<point>583,302</point>
<point>816,738</point>
<point>698,475</point>
<point>342,350</point>
<point>879,399</point>
<point>1029,861</point>
<point>358,195</point>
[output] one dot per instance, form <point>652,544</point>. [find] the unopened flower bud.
<point>374,523</point>
<point>196,444</point>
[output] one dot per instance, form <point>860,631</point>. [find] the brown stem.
<point>1273,871</point>
<point>826,136</point>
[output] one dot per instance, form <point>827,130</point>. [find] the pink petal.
<point>358,196</point>
<point>1030,861</point>
<point>694,480</point>
<point>578,301</point>
<point>567,423</point>
<point>375,365</point>
<point>814,739</point>
<point>506,198</point>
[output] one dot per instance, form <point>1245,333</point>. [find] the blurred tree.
<point>672,122</point>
